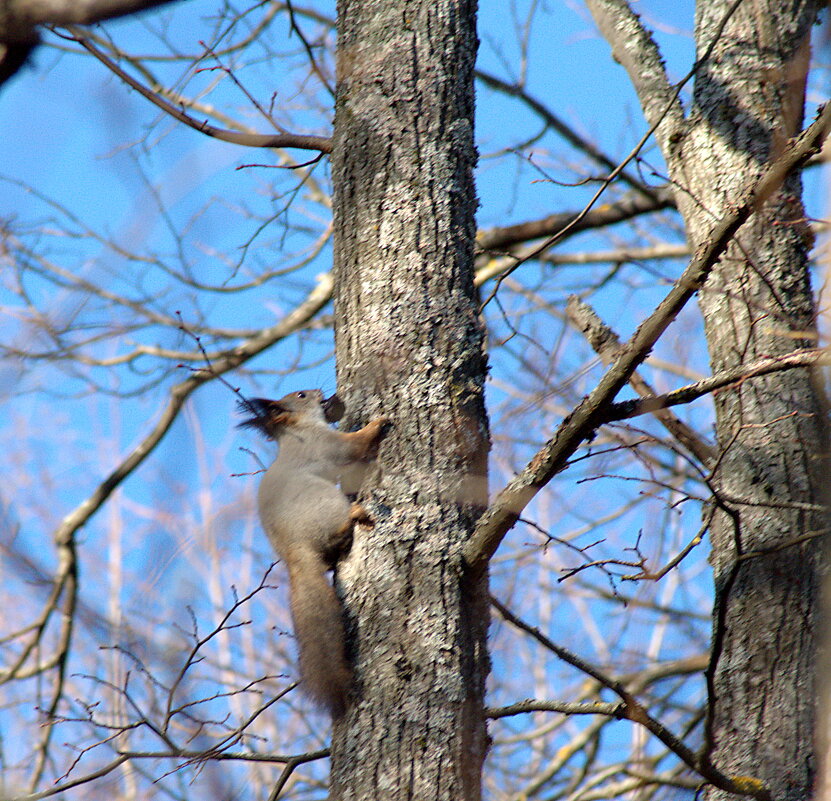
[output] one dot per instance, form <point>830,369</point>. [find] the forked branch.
<point>322,144</point>
<point>593,410</point>
<point>632,709</point>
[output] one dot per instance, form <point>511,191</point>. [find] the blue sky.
<point>82,153</point>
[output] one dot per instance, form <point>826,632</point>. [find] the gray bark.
<point>757,303</point>
<point>409,345</point>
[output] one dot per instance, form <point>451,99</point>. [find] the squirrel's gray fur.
<point>309,521</point>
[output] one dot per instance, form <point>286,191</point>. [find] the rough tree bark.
<point>748,100</point>
<point>758,302</point>
<point>409,345</point>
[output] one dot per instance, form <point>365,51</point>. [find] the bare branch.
<point>566,131</point>
<point>69,580</point>
<point>635,682</point>
<point>619,255</point>
<point>301,141</point>
<point>487,269</point>
<point>563,707</point>
<point>60,788</point>
<point>585,418</point>
<point>606,343</point>
<point>657,575</point>
<point>652,403</point>
<point>295,28</point>
<point>630,205</point>
<point>291,762</point>
<point>19,18</point>
<point>634,48</point>
<point>228,756</point>
<point>633,710</point>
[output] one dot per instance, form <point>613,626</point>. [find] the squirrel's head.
<point>306,405</point>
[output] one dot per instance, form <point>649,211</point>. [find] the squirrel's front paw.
<point>383,423</point>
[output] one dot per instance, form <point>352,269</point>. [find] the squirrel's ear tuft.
<point>265,414</point>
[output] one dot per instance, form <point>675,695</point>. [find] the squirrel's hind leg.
<point>358,514</point>
<point>340,542</point>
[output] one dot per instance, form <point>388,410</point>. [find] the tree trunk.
<point>748,101</point>
<point>409,345</point>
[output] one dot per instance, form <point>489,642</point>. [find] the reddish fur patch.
<point>280,417</point>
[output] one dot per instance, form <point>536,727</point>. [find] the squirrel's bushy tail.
<point>318,627</point>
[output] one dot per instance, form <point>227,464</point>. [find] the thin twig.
<point>633,710</point>
<point>301,141</point>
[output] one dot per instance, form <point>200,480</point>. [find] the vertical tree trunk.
<point>767,483</point>
<point>409,345</point>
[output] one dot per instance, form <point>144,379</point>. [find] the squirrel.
<point>309,520</point>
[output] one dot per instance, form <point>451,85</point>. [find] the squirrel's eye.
<point>301,394</point>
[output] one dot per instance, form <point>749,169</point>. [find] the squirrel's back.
<point>300,511</point>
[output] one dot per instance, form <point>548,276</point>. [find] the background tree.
<point>145,653</point>
<point>768,473</point>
